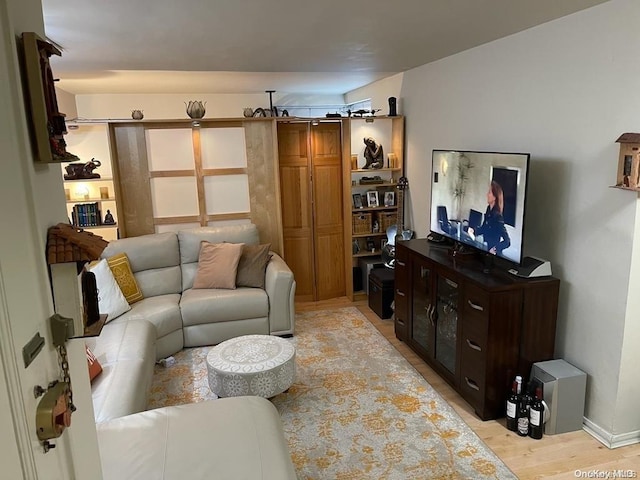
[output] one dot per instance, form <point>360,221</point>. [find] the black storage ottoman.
<point>381,291</point>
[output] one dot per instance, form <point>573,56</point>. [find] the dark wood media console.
<point>477,330</point>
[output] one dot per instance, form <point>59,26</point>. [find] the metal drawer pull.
<point>473,345</point>
<point>475,306</point>
<point>471,383</point>
<point>402,264</point>
<point>400,322</point>
<point>399,293</point>
<point>451,283</point>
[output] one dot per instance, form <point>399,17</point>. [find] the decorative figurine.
<point>373,154</point>
<point>82,171</point>
<point>108,219</point>
<point>195,108</point>
<point>393,112</point>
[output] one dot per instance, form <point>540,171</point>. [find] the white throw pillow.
<point>110,298</point>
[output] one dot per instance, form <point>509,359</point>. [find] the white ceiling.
<point>249,46</point>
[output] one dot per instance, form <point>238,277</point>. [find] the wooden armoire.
<point>310,163</point>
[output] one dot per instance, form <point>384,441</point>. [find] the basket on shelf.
<point>387,219</point>
<point>361,223</point>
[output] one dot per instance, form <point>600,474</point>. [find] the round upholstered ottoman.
<point>260,365</point>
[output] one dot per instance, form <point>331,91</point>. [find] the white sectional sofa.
<point>172,315</point>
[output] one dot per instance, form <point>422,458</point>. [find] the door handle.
<point>475,306</point>
<point>472,384</point>
<point>398,262</point>
<point>474,345</point>
<point>429,310</point>
<point>400,293</point>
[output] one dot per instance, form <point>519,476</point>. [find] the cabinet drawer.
<point>472,388</point>
<point>473,360</point>
<point>475,302</point>
<point>475,334</point>
<point>401,315</point>
<point>401,273</point>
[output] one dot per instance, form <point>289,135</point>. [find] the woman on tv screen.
<point>493,230</point>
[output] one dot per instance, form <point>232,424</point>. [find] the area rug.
<point>357,410</point>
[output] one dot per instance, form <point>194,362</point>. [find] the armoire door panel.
<point>330,279</point>
<point>327,197</point>
<point>326,141</point>
<point>298,252</point>
<point>292,142</point>
<point>296,204</point>
<point>327,182</point>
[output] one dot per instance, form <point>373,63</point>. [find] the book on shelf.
<point>86,215</point>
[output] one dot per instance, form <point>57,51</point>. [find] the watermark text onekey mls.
<point>620,473</point>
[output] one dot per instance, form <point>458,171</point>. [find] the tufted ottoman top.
<point>262,365</point>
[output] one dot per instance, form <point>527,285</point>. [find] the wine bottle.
<point>512,407</point>
<point>523,417</point>
<point>536,414</point>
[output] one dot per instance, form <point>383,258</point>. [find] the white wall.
<point>66,104</point>
<point>563,91</point>
<point>379,93</point>
<point>172,106</point>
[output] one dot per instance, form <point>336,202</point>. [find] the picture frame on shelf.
<point>357,201</point>
<point>389,198</point>
<point>372,199</point>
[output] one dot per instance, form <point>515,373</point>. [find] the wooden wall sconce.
<point>629,162</point>
<point>47,125</point>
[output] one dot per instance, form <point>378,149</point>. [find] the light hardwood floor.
<point>562,456</point>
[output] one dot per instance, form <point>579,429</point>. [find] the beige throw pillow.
<point>253,265</point>
<point>218,265</point>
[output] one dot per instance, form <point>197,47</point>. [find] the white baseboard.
<point>610,440</point>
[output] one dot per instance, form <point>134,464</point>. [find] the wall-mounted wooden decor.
<point>47,126</point>
<point>629,162</point>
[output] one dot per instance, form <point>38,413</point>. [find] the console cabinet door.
<point>401,294</point>
<point>445,316</point>
<point>422,307</point>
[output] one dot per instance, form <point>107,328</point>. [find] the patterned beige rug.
<point>357,410</point>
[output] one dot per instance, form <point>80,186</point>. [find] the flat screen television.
<point>478,199</point>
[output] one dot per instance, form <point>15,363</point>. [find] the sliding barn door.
<point>311,189</point>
